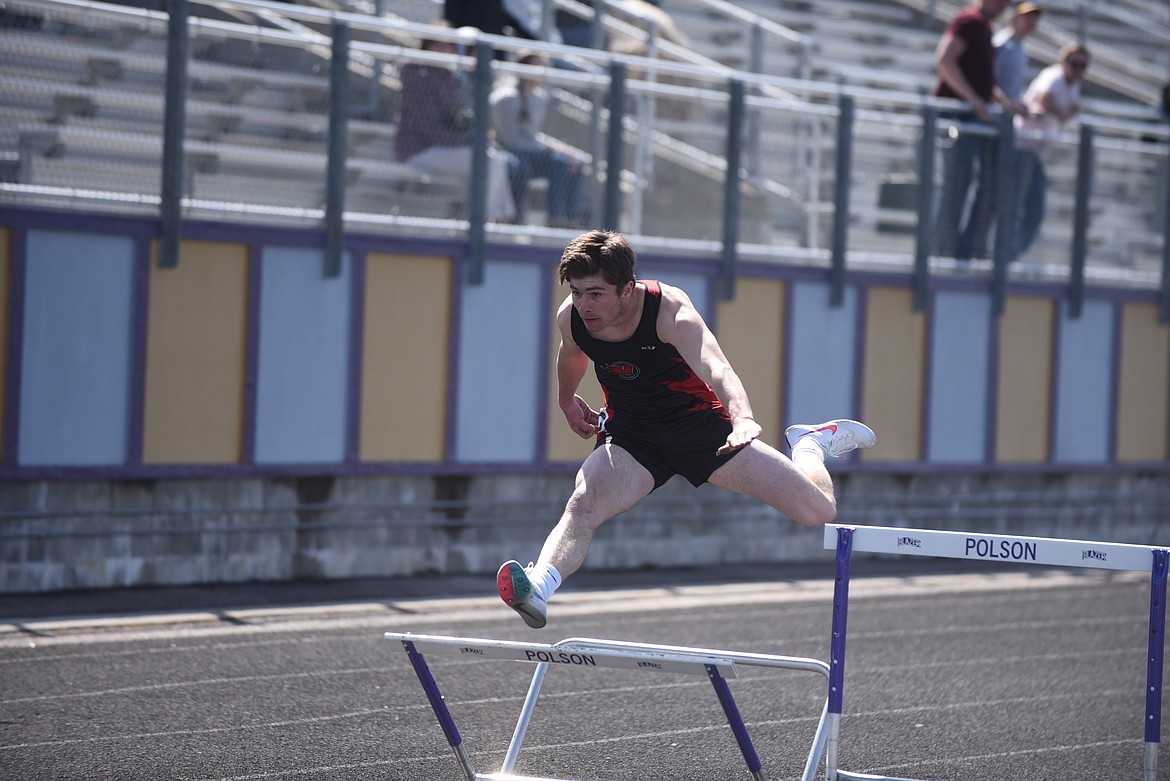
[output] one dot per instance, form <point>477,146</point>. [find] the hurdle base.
<point>845,775</point>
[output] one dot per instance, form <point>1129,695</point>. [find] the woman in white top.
<point>1052,99</point>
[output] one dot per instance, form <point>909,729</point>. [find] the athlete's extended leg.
<point>799,487</point>
<point>609,482</point>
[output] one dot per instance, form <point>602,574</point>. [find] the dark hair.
<point>599,252</point>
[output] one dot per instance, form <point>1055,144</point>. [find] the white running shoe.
<point>518,593</point>
<point>836,438</point>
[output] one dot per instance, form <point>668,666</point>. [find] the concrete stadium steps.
<point>83,109</point>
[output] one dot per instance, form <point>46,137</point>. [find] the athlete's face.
<point>599,303</point>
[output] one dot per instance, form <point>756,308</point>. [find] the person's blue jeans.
<point>564,182</point>
<point>971,161</point>
<point>1033,186</point>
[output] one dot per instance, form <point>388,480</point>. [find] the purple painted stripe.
<point>17,261</point>
<point>544,370</point>
<point>454,341</point>
<point>859,314</point>
<point>928,374</point>
<point>356,368</point>
<point>251,354</point>
<point>139,335</point>
<point>1113,403</point>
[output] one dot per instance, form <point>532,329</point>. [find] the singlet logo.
<point>623,370</point>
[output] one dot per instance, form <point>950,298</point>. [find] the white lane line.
<point>390,615</point>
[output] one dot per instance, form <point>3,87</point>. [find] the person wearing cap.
<point>1011,59</point>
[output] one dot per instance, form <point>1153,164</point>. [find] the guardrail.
<point>827,174</point>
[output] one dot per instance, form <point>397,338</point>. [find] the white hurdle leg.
<point>525,718</point>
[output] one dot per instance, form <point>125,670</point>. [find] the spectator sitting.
<point>519,109</point>
<point>434,130</point>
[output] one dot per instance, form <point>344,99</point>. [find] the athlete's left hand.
<point>743,431</point>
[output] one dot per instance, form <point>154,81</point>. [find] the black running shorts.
<point>684,448</point>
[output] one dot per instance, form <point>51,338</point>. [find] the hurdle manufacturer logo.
<point>912,542</point>
<point>470,650</point>
<point>651,665</point>
<point>1095,555</point>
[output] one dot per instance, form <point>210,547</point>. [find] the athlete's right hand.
<point>582,419</point>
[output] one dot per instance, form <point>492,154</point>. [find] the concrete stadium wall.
<point>180,424</point>
<point>100,534</point>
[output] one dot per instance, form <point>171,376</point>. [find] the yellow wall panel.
<point>1024,388</point>
<point>195,354</point>
<point>895,366</point>
<point>751,332</point>
<point>5,265</point>
<point>563,444</point>
<point>1143,398</point>
<point>405,350</point>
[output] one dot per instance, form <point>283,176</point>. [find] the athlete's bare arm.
<point>572,363</point>
<point>680,325</point>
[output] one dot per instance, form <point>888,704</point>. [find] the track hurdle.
<point>994,547</point>
<point>579,653</point>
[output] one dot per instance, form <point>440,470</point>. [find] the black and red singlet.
<point>656,407</point>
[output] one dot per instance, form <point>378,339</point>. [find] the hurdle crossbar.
<point>994,547</point>
<point>583,652</point>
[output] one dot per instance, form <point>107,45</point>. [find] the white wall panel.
<point>302,371</point>
<point>76,349</point>
<point>823,346</point>
<point>501,336</point>
<point>1084,384</point>
<point>959,364</point>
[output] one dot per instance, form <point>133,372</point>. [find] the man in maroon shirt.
<point>965,59</point>
<point>673,405</point>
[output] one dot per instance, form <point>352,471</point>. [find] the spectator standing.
<point>1011,77</point>
<point>1011,58</point>
<point>434,129</point>
<point>965,59</point>
<point>1052,99</point>
<point>519,108</point>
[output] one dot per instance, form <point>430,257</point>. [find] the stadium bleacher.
<point>83,101</point>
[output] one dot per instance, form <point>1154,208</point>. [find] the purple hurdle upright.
<point>993,547</point>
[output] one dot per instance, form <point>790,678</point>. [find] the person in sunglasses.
<point>1052,99</point>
